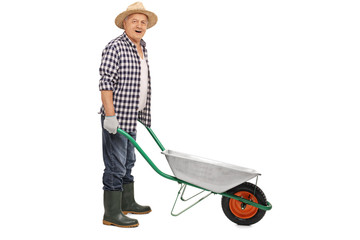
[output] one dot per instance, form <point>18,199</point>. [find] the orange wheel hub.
<point>242,210</point>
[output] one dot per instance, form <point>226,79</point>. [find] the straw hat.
<point>137,7</point>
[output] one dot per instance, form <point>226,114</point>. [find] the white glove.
<point>110,124</point>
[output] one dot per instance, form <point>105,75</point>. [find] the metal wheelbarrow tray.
<point>243,203</point>
<point>213,175</point>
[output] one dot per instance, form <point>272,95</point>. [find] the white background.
<point>269,85</point>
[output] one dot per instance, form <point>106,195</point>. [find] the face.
<point>135,26</point>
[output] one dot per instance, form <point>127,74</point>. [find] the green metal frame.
<point>146,157</point>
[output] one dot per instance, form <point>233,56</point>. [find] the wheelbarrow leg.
<point>181,192</point>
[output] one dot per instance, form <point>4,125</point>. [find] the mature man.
<point>125,94</point>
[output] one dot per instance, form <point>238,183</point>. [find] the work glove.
<point>110,124</point>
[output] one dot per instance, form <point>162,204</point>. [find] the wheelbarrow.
<point>243,203</point>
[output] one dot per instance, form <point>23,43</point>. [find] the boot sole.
<point>117,225</point>
<point>126,212</point>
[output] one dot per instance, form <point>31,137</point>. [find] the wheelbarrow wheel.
<point>241,213</point>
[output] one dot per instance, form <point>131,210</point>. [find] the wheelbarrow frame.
<point>184,183</point>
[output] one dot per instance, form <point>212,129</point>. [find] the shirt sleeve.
<point>108,68</point>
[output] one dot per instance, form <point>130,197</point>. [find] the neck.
<point>135,41</point>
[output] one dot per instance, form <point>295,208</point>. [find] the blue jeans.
<point>119,159</point>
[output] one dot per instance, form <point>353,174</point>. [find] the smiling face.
<point>135,27</point>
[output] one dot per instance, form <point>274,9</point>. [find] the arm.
<point>107,100</point>
<point>108,73</point>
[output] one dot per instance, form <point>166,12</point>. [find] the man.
<point>126,95</point>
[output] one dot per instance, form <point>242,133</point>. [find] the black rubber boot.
<point>129,204</point>
<point>113,214</point>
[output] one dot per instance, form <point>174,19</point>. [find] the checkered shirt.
<point>120,72</point>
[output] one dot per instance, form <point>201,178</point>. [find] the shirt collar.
<point>142,42</point>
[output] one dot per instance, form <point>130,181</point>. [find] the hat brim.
<point>152,18</point>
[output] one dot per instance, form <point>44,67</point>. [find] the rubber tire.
<point>247,187</point>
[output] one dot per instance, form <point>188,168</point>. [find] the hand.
<point>110,124</point>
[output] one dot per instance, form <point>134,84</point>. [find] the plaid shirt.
<point>120,72</point>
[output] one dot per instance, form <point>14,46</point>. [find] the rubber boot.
<point>113,214</point>
<point>129,204</point>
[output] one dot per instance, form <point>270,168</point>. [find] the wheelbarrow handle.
<point>154,137</point>
<point>136,145</point>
